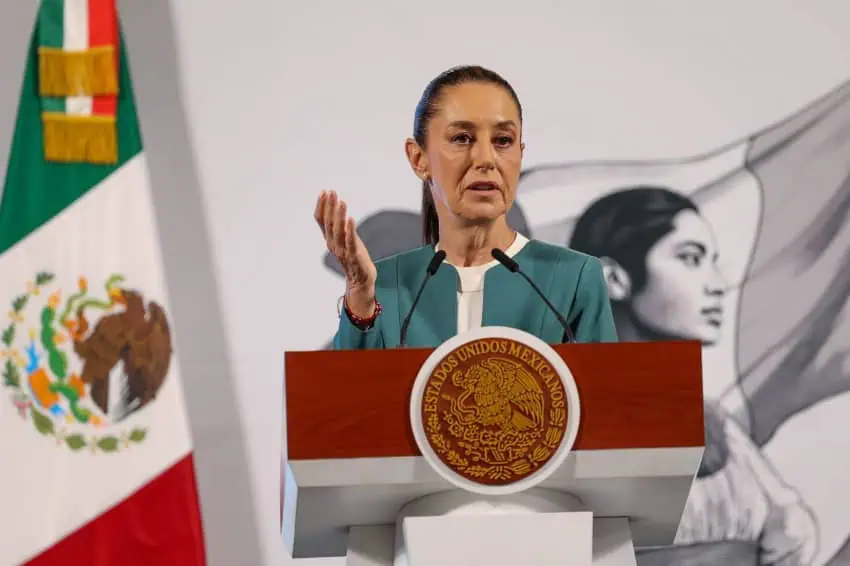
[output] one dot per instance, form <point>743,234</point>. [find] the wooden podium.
<point>352,462</point>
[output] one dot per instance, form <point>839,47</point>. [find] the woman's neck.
<point>629,329</point>
<point>471,246</point>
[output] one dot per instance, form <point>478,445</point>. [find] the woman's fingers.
<point>340,233</point>
<point>319,212</point>
<point>328,217</point>
<point>350,238</point>
<point>340,225</point>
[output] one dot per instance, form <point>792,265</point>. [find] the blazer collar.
<point>435,319</point>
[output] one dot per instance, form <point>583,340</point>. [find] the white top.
<point>470,288</point>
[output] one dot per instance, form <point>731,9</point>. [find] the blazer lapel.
<point>439,301</point>
<point>435,319</point>
<point>509,300</point>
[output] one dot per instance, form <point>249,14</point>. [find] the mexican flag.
<point>96,453</point>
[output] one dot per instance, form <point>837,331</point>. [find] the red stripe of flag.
<point>159,524</point>
<point>103,30</point>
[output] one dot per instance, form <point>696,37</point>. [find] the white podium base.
<point>450,528</point>
<point>540,539</point>
<point>539,527</point>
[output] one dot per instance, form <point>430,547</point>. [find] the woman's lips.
<point>713,315</point>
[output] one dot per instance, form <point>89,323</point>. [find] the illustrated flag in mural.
<point>94,436</point>
<point>779,202</point>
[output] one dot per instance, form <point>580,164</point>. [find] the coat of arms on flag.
<point>78,365</point>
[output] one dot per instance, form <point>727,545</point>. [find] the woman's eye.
<point>504,141</point>
<point>462,138</point>
<point>691,260</point>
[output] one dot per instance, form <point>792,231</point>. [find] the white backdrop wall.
<point>250,108</point>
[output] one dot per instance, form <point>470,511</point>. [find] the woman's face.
<point>474,152</point>
<point>683,295</point>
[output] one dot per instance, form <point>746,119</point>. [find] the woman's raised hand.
<point>343,242</point>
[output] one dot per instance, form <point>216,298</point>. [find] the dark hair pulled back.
<point>427,108</point>
<point>626,224</point>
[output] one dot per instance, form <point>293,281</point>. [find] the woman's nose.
<point>483,155</point>
<point>716,285</point>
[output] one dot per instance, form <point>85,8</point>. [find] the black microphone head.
<point>436,262</point>
<point>505,260</point>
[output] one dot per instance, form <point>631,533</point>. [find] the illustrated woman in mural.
<point>466,149</point>
<point>659,259</point>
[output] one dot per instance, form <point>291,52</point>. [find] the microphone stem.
<point>406,323</point>
<point>567,332</point>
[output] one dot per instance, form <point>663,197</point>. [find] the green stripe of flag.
<point>34,190</point>
<point>51,33</point>
<point>51,23</point>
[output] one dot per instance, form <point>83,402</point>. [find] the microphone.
<point>513,267</point>
<point>432,268</point>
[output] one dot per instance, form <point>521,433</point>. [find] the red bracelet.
<point>359,322</point>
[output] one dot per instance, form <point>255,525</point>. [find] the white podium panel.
<point>649,486</point>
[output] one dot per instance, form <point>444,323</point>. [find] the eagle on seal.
<point>504,393</point>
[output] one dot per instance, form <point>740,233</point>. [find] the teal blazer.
<point>571,280</point>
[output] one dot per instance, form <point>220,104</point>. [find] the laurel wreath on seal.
<point>470,438</point>
<point>11,374</point>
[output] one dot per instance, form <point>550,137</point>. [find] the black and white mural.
<point>747,249</point>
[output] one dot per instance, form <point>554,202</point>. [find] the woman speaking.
<point>467,150</point>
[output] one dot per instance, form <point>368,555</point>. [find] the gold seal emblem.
<point>494,411</point>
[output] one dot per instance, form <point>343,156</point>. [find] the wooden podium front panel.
<point>355,404</point>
